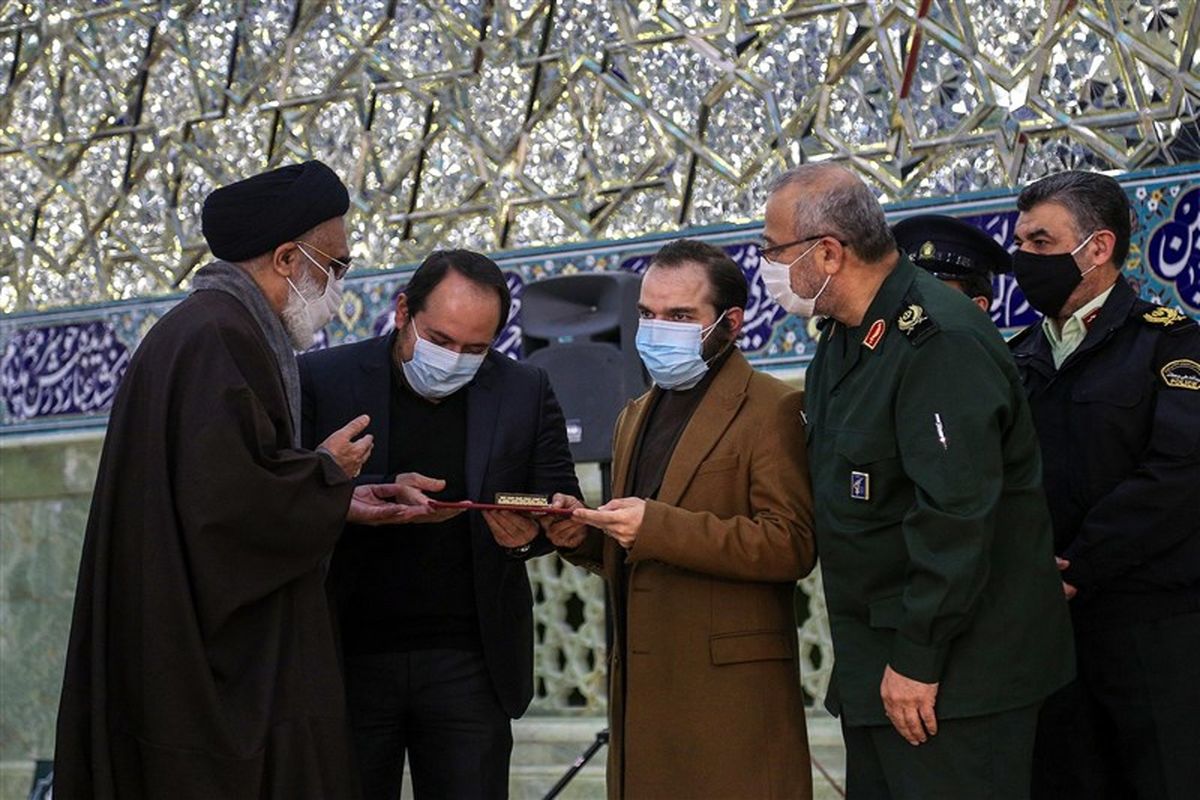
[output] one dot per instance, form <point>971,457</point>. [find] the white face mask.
<point>777,277</point>
<point>435,372</point>
<point>303,317</point>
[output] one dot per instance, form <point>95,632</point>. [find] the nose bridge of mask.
<point>439,357</point>
<point>663,332</point>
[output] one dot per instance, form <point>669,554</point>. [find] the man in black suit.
<point>435,615</point>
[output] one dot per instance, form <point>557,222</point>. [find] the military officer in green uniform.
<point>948,617</point>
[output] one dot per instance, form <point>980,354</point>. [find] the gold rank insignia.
<point>1182,373</point>
<point>1163,316</point>
<point>928,250</point>
<point>911,317</point>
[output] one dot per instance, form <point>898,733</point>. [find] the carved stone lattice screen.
<point>503,124</point>
<point>508,123</point>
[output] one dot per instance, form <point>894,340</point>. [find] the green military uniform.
<point>932,528</point>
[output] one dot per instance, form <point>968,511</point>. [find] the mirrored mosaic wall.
<point>501,124</point>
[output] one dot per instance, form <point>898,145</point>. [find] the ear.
<point>285,260</point>
<point>831,255</point>
<point>983,303</point>
<point>734,318</point>
<point>1102,246</point>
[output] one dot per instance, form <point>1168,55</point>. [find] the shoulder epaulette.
<point>1166,318</point>
<point>915,324</point>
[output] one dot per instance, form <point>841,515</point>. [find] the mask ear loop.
<point>711,328</point>
<point>1080,247</point>
<point>704,334</point>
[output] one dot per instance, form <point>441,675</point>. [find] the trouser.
<point>439,708</point>
<point>976,758</point>
<point>1129,726</point>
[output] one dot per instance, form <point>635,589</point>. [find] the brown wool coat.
<point>707,702</point>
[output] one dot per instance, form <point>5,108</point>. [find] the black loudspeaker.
<point>581,330</point>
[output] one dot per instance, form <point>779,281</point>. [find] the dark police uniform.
<point>935,542</point>
<point>1119,424</point>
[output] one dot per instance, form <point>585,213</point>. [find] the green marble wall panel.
<point>45,491</point>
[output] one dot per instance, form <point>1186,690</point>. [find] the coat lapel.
<point>706,427</point>
<point>372,394</point>
<point>483,407</point>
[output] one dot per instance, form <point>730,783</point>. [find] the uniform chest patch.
<point>1183,373</point>
<point>860,485</point>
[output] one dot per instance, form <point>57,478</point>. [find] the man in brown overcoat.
<point>701,552</point>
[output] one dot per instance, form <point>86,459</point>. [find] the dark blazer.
<point>516,441</point>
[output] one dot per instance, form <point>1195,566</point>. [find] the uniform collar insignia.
<point>874,334</point>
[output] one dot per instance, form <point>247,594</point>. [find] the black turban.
<point>254,216</point>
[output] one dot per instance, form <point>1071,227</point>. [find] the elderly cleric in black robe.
<point>201,661</point>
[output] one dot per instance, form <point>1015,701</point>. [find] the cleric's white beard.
<point>296,320</point>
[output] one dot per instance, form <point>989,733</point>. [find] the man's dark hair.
<point>726,281</point>
<point>475,267</point>
<point>1094,202</point>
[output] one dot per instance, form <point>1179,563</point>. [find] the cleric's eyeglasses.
<point>336,267</point>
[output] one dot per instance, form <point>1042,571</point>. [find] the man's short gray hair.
<point>838,204</point>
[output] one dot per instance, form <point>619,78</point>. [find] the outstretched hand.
<point>400,502</point>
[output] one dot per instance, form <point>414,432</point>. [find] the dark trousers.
<point>1129,726</point>
<point>439,708</point>
<point>977,758</point>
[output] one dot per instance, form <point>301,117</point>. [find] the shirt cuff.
<point>920,662</point>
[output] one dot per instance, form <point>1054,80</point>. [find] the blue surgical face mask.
<point>672,351</point>
<point>435,372</point>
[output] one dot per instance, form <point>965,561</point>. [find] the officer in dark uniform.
<point>1114,383</point>
<point>957,252</point>
<point>948,619</point>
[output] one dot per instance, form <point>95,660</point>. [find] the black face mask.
<point>1048,280</point>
